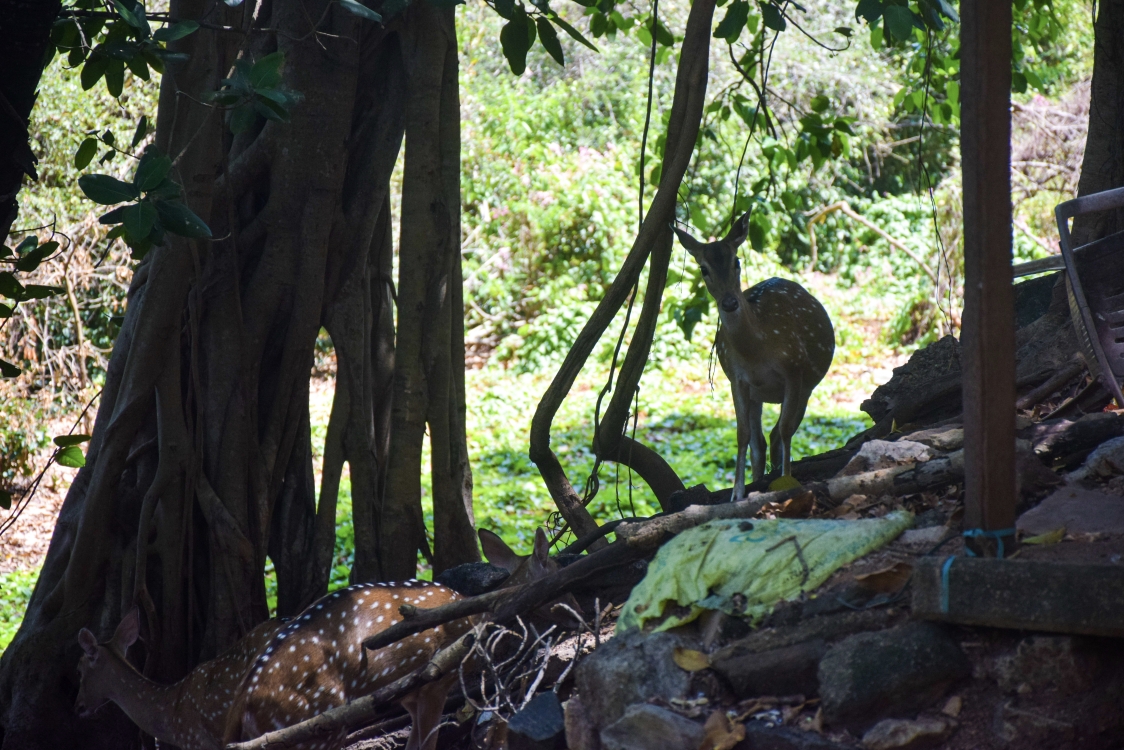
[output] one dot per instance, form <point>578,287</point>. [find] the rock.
<point>761,736</point>
<point>1058,662</point>
<point>924,390</point>
<point>871,676</point>
<point>791,670</point>
<point>630,668</point>
<point>472,579</point>
<point>540,725</point>
<point>923,538</point>
<point>580,732</point>
<point>1106,460</point>
<point>906,734</point>
<point>647,727</point>
<point>944,439</point>
<point>883,454</point>
<point>1078,510</point>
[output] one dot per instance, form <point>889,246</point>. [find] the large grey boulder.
<point>893,673</point>
<point>648,727</point>
<point>630,668</point>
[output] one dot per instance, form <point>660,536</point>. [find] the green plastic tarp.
<point>745,567</point>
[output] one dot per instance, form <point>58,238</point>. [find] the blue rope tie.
<point>997,535</point>
<point>944,583</point>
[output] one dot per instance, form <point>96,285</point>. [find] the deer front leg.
<point>750,436</point>
<point>425,707</point>
<point>792,414</point>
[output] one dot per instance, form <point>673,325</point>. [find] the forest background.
<point>549,187</point>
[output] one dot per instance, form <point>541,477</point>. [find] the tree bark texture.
<point>1103,165</point>
<point>653,238</point>
<point>201,460</point>
<point>25,29</point>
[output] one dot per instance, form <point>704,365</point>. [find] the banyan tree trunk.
<point>201,460</point>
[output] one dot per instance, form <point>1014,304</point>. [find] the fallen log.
<point>1058,439</point>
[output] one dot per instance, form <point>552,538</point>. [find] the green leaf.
<point>819,103</point>
<point>266,72</point>
<point>179,219</point>
<point>153,168</point>
<point>599,24</point>
<point>5,500</point>
<point>5,251</point>
<point>505,8</point>
<point>241,119</point>
<point>31,261</point>
<point>574,33</point>
<point>898,21</point>
<point>869,10</point>
<point>64,441</point>
<point>948,11</point>
<point>549,39</point>
<point>107,190</point>
<point>93,70</point>
<point>1018,82</point>
<point>85,152</point>
<point>663,36</point>
<point>29,243</point>
<point>733,22</point>
<point>138,66</point>
<point>116,216</point>
<point>360,10</point>
<point>515,42</point>
<point>772,17</point>
<point>845,31</point>
<point>139,133</point>
<point>133,16</point>
<point>952,91</point>
<point>115,78</point>
<point>9,287</point>
<point>5,311</point>
<point>36,291</point>
<point>139,218</point>
<point>70,456</point>
<point>8,370</point>
<point>176,31</point>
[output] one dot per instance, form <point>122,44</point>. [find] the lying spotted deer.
<point>775,345</point>
<point>283,673</point>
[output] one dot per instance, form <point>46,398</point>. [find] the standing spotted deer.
<point>775,345</point>
<point>282,673</point>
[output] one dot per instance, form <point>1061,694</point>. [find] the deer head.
<point>719,263</point>
<point>101,664</point>
<point>527,568</point>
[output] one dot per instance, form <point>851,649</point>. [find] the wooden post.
<point>988,335</point>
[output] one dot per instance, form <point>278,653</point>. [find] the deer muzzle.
<point>730,302</point>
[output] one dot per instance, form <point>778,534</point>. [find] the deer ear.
<point>497,551</point>
<point>542,547</point>
<point>739,231</point>
<point>88,642</point>
<point>127,631</point>
<point>689,243</point>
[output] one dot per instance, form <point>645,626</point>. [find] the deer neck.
<point>151,706</point>
<point>741,325</point>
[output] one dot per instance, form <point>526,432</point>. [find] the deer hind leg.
<point>792,414</point>
<point>425,707</point>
